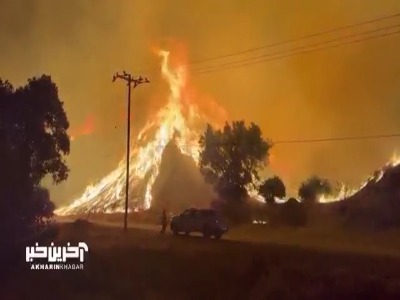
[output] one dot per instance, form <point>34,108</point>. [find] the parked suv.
<point>206,221</point>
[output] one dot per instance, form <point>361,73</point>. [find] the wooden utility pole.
<point>136,81</point>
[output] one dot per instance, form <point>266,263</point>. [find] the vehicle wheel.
<point>174,230</point>
<point>206,232</point>
<point>217,235</point>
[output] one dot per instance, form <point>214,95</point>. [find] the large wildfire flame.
<point>146,152</point>
<point>169,124</point>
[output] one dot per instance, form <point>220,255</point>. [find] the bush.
<point>272,188</point>
<point>312,188</point>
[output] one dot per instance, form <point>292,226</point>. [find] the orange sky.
<point>346,91</point>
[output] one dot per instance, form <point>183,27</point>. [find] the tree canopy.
<point>33,144</point>
<point>312,188</point>
<point>272,188</point>
<point>232,157</point>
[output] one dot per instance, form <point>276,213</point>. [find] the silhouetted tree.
<point>232,157</point>
<point>272,188</point>
<point>230,160</point>
<point>312,188</point>
<point>33,143</point>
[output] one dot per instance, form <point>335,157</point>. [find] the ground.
<point>251,262</point>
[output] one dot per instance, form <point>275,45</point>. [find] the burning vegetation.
<point>377,203</point>
<point>167,147</point>
<point>177,123</point>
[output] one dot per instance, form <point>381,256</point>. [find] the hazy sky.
<point>345,91</point>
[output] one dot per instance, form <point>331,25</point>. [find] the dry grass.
<point>141,264</point>
<point>325,239</point>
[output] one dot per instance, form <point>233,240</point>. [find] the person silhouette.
<point>164,221</point>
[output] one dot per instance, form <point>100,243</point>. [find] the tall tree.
<point>312,188</point>
<point>272,188</point>
<point>232,157</point>
<point>33,144</point>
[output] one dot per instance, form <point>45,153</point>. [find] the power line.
<point>299,48</point>
<point>338,139</point>
<point>296,53</point>
<point>288,41</point>
<point>297,39</point>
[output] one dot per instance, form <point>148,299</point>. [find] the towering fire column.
<point>145,156</point>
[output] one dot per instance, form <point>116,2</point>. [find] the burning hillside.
<point>378,178</point>
<point>377,203</point>
<point>177,122</point>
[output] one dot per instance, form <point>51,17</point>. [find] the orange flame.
<point>86,128</point>
<point>168,123</point>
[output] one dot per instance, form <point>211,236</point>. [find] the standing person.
<point>164,221</point>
